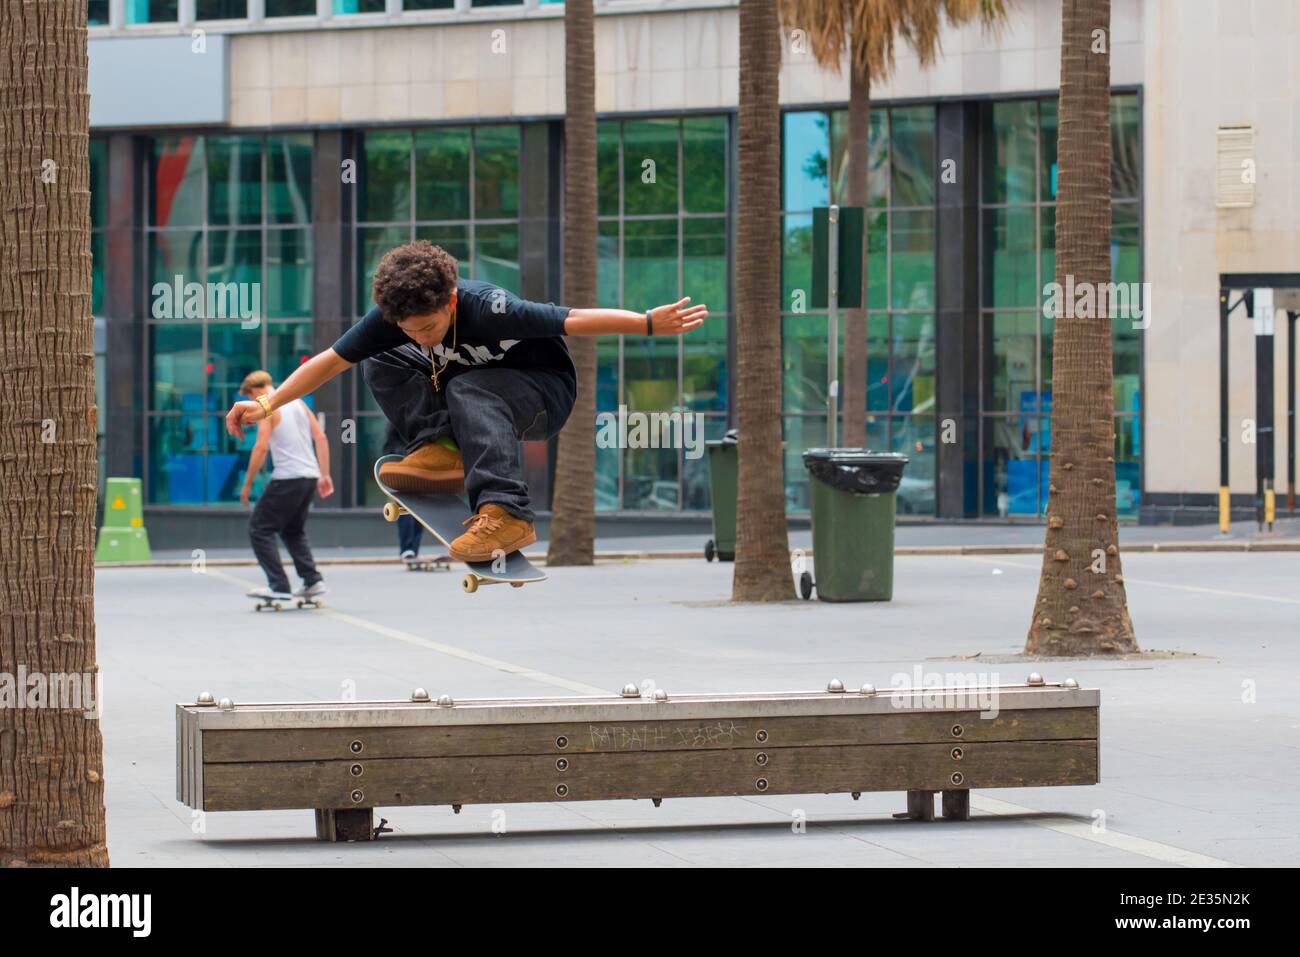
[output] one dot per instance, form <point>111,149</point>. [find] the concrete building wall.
<point>1212,63</point>
<point>663,61</point>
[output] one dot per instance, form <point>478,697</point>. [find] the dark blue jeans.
<point>487,411</point>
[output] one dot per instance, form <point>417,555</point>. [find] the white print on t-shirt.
<point>473,355</point>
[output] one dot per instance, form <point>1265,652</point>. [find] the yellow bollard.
<point>1225,513</point>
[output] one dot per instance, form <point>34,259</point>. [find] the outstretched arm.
<point>306,379</point>
<point>670,320</point>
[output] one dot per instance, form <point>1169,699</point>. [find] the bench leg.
<point>956,805</point>
<point>920,806</point>
<point>345,824</point>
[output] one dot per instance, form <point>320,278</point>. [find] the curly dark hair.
<point>414,280</point>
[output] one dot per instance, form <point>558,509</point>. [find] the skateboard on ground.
<point>275,604</point>
<point>443,517</point>
<point>439,563</point>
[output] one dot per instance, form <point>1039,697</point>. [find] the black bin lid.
<point>859,471</point>
<point>854,457</point>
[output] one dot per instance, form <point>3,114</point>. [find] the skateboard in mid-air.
<point>443,516</point>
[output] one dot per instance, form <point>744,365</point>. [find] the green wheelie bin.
<point>724,469</point>
<point>853,493</point>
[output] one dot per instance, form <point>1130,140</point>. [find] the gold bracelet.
<point>265,403</point>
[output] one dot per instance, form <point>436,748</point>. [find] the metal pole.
<point>1290,410</point>
<point>1225,509</point>
<point>832,323</point>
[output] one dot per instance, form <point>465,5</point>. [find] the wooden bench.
<point>344,759</point>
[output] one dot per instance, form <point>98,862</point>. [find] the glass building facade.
<point>456,186</point>
<point>218,208</point>
<point>232,211</point>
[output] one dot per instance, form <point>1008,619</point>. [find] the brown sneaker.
<point>431,469</point>
<point>493,531</point>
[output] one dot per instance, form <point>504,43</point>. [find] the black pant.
<point>487,410</point>
<point>282,510</point>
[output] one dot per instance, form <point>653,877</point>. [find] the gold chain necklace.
<point>434,371</point>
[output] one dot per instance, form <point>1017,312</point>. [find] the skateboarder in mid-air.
<point>300,457</point>
<point>464,370</point>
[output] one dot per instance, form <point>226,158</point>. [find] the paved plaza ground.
<point>1192,775</point>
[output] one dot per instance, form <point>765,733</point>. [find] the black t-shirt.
<point>492,328</point>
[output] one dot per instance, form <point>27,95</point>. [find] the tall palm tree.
<point>1082,607</point>
<point>573,501</point>
<point>762,570</point>
<point>870,28</point>
<point>51,758</point>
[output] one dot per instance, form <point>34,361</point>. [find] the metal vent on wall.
<point>1236,156</point>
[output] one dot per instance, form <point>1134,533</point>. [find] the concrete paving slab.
<point>1198,753</point>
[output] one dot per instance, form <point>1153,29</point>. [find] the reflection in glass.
<point>704,155</point>
<point>496,172</point>
<point>288,289</point>
<point>913,260</point>
<point>234,180</point>
<point>177,366</point>
<point>288,178</point>
<point>650,166</point>
<point>442,173</point>
<point>650,261</point>
<point>383,186</point>
<point>1011,274</point>
<point>176,448</point>
<point>805,157</point>
<point>372,243</point>
<point>912,169</point>
<point>176,188</point>
<point>877,157</point>
<point>496,255</point>
<point>1010,166</point>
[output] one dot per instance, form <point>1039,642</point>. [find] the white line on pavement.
<point>1124,842</point>
<point>1135,845</point>
<point>1146,581</point>
<point>450,650</point>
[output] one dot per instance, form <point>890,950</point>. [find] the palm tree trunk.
<point>573,519</point>
<point>854,386</point>
<point>51,756</point>
<point>762,571</point>
<point>1081,607</point>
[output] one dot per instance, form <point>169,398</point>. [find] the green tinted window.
<point>650,262</point>
<point>704,160</point>
<point>607,164</point>
<point>234,180</point>
<point>650,166</point>
<point>912,168</point>
<point>442,168</point>
<point>496,170</point>
<point>1010,162</point>
<point>384,180</point>
<point>288,178</point>
<point>288,287</point>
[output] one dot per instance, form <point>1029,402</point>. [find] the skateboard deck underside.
<point>443,517</point>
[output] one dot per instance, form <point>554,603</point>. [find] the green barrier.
<point>123,537</point>
<point>724,470</point>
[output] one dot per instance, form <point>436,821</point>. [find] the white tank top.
<point>293,454</point>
